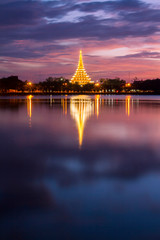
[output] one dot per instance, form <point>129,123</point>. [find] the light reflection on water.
<point>29,108</point>
<point>81,108</point>
<point>128,105</point>
<point>81,167</point>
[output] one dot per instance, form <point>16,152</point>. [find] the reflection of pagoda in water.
<point>80,75</point>
<point>81,108</point>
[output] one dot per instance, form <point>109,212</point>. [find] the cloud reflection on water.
<point>49,184</point>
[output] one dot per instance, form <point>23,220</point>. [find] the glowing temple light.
<point>128,105</point>
<point>81,108</point>
<point>80,75</point>
<point>29,108</point>
<point>29,83</point>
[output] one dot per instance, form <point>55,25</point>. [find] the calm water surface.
<point>81,167</point>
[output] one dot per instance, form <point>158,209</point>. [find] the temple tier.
<point>80,75</point>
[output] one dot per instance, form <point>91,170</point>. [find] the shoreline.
<point>76,93</point>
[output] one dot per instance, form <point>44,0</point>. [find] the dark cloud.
<point>143,16</point>
<point>144,54</point>
<point>43,21</point>
<point>29,50</point>
<point>119,5</point>
<point>20,13</point>
<point>90,27</point>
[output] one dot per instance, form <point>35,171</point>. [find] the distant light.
<point>128,85</point>
<point>29,83</point>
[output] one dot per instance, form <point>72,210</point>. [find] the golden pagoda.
<point>80,75</point>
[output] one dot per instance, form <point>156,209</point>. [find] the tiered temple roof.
<point>80,75</point>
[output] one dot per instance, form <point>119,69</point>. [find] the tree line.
<point>61,84</point>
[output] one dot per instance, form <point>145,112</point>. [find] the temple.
<point>80,75</point>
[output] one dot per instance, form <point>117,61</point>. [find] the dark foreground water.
<point>80,168</point>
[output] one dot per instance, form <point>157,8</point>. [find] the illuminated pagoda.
<point>80,75</point>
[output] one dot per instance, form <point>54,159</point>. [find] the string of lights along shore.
<point>80,75</point>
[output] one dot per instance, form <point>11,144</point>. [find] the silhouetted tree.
<point>11,82</point>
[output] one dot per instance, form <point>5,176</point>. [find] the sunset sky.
<point>42,38</point>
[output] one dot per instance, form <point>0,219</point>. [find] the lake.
<point>80,167</point>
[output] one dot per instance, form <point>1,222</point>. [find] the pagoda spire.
<point>80,75</point>
<point>80,64</point>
